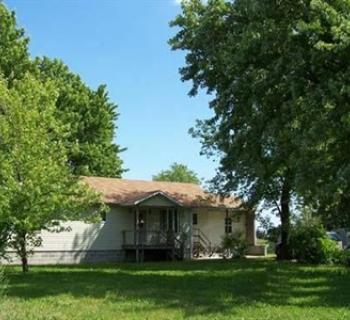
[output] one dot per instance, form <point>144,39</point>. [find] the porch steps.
<point>201,245</point>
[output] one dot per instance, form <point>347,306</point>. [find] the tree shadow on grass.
<point>208,287</point>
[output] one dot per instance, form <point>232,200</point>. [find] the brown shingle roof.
<point>129,192</point>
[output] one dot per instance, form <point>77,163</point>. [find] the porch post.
<point>167,219</point>
<point>250,227</point>
<point>189,214</point>
<point>137,251</point>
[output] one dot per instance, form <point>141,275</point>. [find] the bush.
<point>5,232</point>
<point>342,257</point>
<point>346,258</point>
<point>234,245</point>
<point>3,281</point>
<point>311,244</point>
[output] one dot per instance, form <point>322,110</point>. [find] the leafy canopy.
<point>279,73</point>
<point>177,173</point>
<point>37,188</point>
<point>14,57</point>
<point>89,115</point>
<point>237,51</point>
<point>90,119</point>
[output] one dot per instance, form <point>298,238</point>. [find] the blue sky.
<point>124,45</point>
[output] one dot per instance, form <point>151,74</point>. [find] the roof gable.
<point>159,199</point>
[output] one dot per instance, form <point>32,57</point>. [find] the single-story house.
<point>148,220</point>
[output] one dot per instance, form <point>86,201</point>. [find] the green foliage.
<point>229,54</point>
<point>234,245</point>
<point>311,244</point>
<point>5,233</point>
<point>239,52</point>
<point>325,118</point>
<point>345,258</point>
<point>14,57</point>
<point>3,282</point>
<point>342,257</point>
<point>177,173</point>
<point>89,115</point>
<point>90,118</point>
<point>37,189</point>
<point>267,230</point>
<point>279,77</point>
<point>52,125</point>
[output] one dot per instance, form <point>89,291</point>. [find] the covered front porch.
<point>161,228</point>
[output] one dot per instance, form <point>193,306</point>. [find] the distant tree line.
<point>177,173</point>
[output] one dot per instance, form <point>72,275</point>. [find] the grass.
<point>249,289</point>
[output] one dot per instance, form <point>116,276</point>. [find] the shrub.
<point>5,232</point>
<point>234,245</point>
<point>342,257</point>
<point>311,244</point>
<point>346,258</point>
<point>3,281</point>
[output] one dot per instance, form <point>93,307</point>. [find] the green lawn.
<point>259,289</point>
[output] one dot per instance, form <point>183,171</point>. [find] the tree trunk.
<point>284,251</point>
<point>23,251</point>
<point>24,264</point>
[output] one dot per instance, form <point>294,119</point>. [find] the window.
<point>195,219</point>
<point>228,225</point>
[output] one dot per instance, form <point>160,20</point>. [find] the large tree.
<point>89,115</point>
<point>177,173</point>
<point>238,51</point>
<point>50,128</point>
<point>37,188</point>
<point>14,57</point>
<point>278,72</point>
<point>90,119</point>
<point>323,95</point>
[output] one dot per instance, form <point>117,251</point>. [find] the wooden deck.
<point>147,238</point>
<point>146,247</point>
<point>143,241</point>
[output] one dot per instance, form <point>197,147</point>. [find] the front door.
<point>169,219</point>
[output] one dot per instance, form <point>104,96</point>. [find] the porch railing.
<point>156,238</point>
<point>201,243</point>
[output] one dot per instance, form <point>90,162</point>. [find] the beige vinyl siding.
<point>212,223</point>
<point>186,228</point>
<point>158,201</point>
<point>83,242</point>
<point>102,242</point>
<point>90,236</point>
<point>103,235</point>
